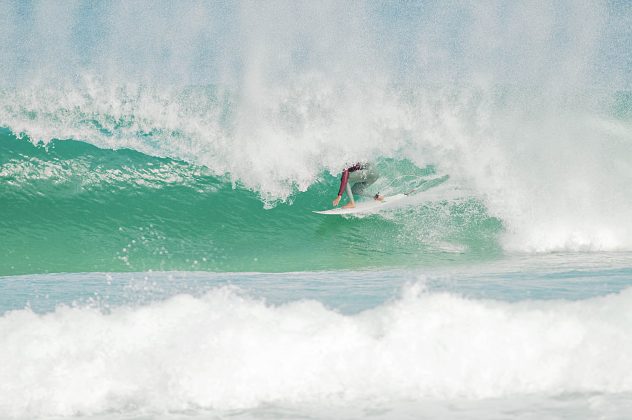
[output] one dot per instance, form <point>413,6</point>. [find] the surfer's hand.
<point>337,200</point>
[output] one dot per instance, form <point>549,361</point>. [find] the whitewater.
<point>159,167</point>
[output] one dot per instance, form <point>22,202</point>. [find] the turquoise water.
<point>159,167</point>
<point>71,207</point>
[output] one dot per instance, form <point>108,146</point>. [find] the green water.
<point>71,207</point>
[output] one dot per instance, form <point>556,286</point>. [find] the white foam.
<point>225,351</point>
<point>498,101</point>
<point>554,188</point>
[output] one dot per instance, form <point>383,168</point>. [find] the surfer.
<point>361,175</point>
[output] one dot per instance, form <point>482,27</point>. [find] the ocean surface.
<point>160,163</point>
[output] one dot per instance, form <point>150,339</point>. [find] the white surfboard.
<point>368,206</point>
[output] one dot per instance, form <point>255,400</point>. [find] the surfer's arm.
<point>343,185</point>
<point>343,182</point>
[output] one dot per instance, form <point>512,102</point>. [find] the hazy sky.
<point>527,43</point>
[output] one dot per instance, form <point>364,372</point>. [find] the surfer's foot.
<point>379,197</point>
<point>349,205</point>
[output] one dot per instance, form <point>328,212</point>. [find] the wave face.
<point>73,208</point>
<point>225,351</point>
<point>207,146</point>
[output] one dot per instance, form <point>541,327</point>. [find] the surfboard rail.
<point>368,206</point>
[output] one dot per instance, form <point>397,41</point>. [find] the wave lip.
<point>225,351</point>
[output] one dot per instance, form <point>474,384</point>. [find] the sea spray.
<point>519,105</point>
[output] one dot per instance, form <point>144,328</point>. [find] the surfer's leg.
<point>371,175</point>
<point>362,179</point>
<point>351,202</point>
<point>358,188</point>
